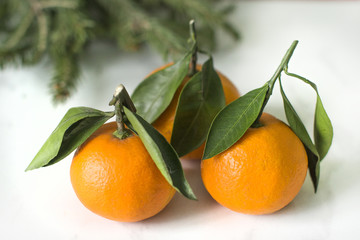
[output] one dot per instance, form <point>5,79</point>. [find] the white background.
<point>42,205</point>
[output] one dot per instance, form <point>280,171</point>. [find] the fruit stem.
<point>283,66</point>
<point>195,50</point>
<point>121,130</point>
<point>120,99</point>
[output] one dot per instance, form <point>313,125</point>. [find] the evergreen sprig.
<point>62,30</point>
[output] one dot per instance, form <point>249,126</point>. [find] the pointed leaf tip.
<point>199,102</point>
<point>323,129</point>
<point>298,127</point>
<point>162,153</point>
<point>154,94</point>
<point>232,121</point>
<point>75,127</point>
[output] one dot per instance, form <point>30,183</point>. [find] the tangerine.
<point>261,173</point>
<point>117,179</point>
<point>165,122</point>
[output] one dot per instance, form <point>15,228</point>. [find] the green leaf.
<point>164,156</point>
<point>323,130</point>
<point>232,122</point>
<point>75,127</point>
<point>299,129</point>
<point>295,122</point>
<point>200,100</point>
<point>284,62</point>
<point>314,168</point>
<point>153,95</point>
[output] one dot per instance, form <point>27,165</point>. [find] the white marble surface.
<point>42,205</point>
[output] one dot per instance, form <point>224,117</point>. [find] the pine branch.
<point>22,46</point>
<point>59,4</point>
<point>202,11</point>
<point>42,26</point>
<point>139,27</point>
<point>167,42</point>
<point>71,31</point>
<point>19,32</point>
<point>66,69</point>
<point>20,55</point>
<point>62,29</point>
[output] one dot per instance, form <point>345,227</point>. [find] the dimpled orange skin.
<point>117,179</point>
<point>164,124</point>
<point>259,174</point>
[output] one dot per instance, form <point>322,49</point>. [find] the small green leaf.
<point>232,121</point>
<point>164,156</point>
<point>199,102</point>
<point>283,64</point>
<point>323,130</point>
<point>314,168</point>
<point>75,127</point>
<point>295,122</point>
<point>299,129</point>
<point>153,95</point>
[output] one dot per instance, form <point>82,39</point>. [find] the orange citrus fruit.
<point>261,173</point>
<point>117,179</point>
<point>164,123</point>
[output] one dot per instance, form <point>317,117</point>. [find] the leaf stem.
<point>195,49</point>
<point>283,66</point>
<point>120,99</point>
